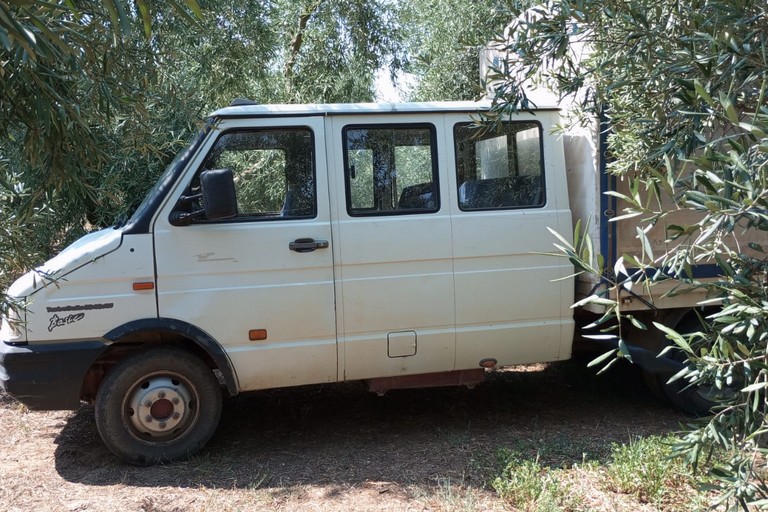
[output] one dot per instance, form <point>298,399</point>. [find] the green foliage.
<point>333,48</point>
<point>445,40</point>
<point>259,179</point>
<point>66,72</point>
<point>70,75</point>
<point>99,96</point>
<point>683,86</point>
<point>644,468</point>
<point>526,485</point>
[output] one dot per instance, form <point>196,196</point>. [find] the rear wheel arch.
<point>654,339</point>
<point>137,335</point>
<point>682,320</point>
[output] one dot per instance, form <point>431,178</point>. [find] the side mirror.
<point>219,197</point>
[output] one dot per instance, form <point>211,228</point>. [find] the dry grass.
<point>329,448</point>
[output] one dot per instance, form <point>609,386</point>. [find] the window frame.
<point>542,175</point>
<point>352,212</point>
<point>266,217</point>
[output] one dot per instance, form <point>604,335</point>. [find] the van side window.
<point>499,169</point>
<point>274,171</point>
<point>391,169</point>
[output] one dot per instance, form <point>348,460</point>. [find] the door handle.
<point>307,245</point>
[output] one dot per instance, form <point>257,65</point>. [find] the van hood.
<point>81,252</point>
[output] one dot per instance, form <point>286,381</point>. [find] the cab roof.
<point>244,109</point>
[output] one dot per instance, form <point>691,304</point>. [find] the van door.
<point>394,264</point>
<point>261,284</point>
<point>512,304</point>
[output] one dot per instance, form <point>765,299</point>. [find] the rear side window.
<point>390,169</point>
<point>499,169</point>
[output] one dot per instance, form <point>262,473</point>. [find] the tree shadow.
<point>341,434</point>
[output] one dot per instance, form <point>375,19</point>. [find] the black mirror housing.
<point>219,197</point>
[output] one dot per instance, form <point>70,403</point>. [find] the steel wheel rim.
<point>160,407</point>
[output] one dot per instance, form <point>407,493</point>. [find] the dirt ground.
<point>340,447</point>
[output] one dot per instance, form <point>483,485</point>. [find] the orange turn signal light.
<point>146,285</point>
<point>257,334</point>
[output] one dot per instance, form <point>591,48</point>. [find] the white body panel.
<point>230,278</point>
<point>511,301</point>
<point>92,292</point>
<point>394,274</point>
<point>427,283</point>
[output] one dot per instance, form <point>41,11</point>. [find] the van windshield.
<point>162,185</point>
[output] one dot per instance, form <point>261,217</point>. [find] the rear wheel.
<point>694,400</point>
<point>159,405</point>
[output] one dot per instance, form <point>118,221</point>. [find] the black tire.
<point>692,400</point>
<point>656,385</point>
<point>157,406</point>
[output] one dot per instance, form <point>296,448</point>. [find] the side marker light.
<point>257,334</point>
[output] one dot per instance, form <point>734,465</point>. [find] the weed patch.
<point>527,485</point>
<point>645,468</point>
<point>643,471</point>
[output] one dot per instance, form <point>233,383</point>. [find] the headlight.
<point>12,330</point>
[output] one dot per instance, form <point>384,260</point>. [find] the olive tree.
<point>682,86</point>
<point>331,49</point>
<point>444,41</point>
<point>70,73</point>
<point>99,96</point>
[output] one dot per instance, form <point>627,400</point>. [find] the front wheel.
<point>159,405</point>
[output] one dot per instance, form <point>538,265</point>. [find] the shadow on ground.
<point>340,435</point>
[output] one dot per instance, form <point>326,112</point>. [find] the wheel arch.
<point>134,335</point>
<point>655,339</point>
<point>652,338</point>
<point>644,345</point>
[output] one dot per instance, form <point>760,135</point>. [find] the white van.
<point>302,244</point>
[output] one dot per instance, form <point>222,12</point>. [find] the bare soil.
<point>340,447</point>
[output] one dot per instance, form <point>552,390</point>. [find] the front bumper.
<point>49,376</point>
